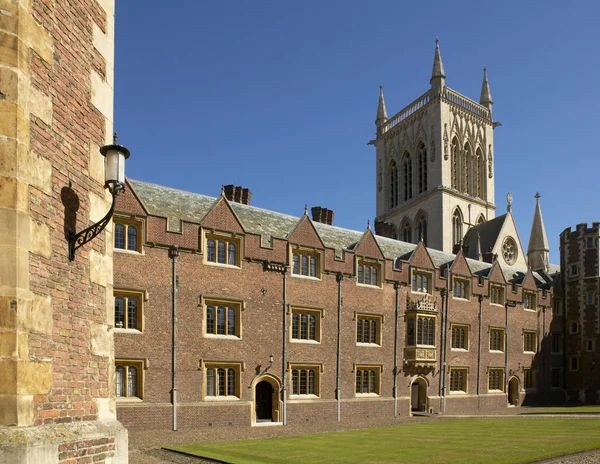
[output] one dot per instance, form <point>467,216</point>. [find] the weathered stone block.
<point>101,269</point>
<point>40,241</point>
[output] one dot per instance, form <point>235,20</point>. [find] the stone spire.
<point>438,78</point>
<point>538,249</point>
<point>486,97</point>
<point>381,111</point>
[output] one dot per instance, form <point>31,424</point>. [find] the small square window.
<point>574,363</point>
<point>367,380</point>
<point>496,380</point>
<point>306,325</point>
<point>589,299</point>
<point>223,318</point>
<point>460,337</point>
<point>368,273</point>
<point>458,380</point>
<point>128,310</point>
<point>573,270</point>
<point>127,234</point>
<point>573,327</point>
<point>590,242</point>
<point>306,380</point>
<point>368,329</point>
<point>529,341</point>
<point>422,282</point>
<point>222,380</point>
<point>497,340</point>
<point>460,288</point>
<point>590,345</point>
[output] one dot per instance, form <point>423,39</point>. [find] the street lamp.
<point>114,175</point>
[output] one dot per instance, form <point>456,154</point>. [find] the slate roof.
<point>177,205</point>
<point>488,233</point>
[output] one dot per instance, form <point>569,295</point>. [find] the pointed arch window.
<point>407,170</point>
<point>467,167</point>
<point>422,229</point>
<point>406,232</point>
<point>457,228</point>
<point>422,168</point>
<point>480,174</point>
<point>455,164</point>
<point>393,191</point>
<point>480,219</point>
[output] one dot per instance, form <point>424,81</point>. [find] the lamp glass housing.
<point>114,167</point>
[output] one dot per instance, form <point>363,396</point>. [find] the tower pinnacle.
<point>438,78</point>
<point>486,97</point>
<point>538,249</point>
<point>381,110</point>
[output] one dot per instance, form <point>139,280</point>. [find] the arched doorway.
<point>418,395</point>
<point>267,401</point>
<point>264,401</point>
<point>513,391</point>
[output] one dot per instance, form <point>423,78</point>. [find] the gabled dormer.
<point>306,249</point>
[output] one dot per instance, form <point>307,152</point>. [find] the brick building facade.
<point>57,399</point>
<point>579,302</point>
<point>318,323</point>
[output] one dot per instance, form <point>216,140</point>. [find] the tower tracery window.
<point>467,164</point>
<point>421,228</point>
<point>393,192</point>
<point>407,169</point>
<point>480,219</point>
<point>477,180</point>
<point>422,167</point>
<point>406,232</point>
<point>457,223</point>
<point>455,164</point>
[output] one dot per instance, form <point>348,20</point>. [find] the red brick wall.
<point>79,377</point>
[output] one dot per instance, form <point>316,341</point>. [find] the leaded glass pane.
<point>368,275</point>
<point>303,382</point>
<point>132,313</point>
<point>232,254</point>
<point>120,381</point>
<point>220,320</point>
<point>373,332</point>
<point>221,381</point>
<point>131,381</point>
<point>221,252</point>
<point>230,321</point>
<point>311,382</point>
<point>304,327</point>
<point>313,266</point>
<point>295,323</point>
<point>210,250</point>
<point>296,264</point>
<point>360,274</point>
<point>359,331</point>
<point>231,382</point>
<point>295,385</point>
<point>120,236</point>
<point>358,381</point>
<point>132,238</point>
<point>312,327</point>
<point>119,312</point>
<point>304,265</point>
<point>371,381</point>
<point>210,319</point>
<point>210,382</point>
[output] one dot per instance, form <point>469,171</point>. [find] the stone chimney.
<point>385,229</point>
<point>322,215</point>
<point>237,194</point>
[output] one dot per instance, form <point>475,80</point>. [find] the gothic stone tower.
<point>435,168</point>
<point>57,400</point>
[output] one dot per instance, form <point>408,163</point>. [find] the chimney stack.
<point>322,215</point>
<point>384,229</point>
<point>237,194</point>
<point>489,257</point>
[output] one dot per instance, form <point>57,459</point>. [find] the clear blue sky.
<point>280,97</point>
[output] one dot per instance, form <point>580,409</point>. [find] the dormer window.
<point>368,273</point>
<point>461,288</point>
<point>306,263</point>
<point>421,282</point>
<point>222,248</point>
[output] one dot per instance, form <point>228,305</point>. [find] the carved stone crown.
<point>427,304</point>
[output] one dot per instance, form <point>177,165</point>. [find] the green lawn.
<point>498,440</point>
<point>595,409</point>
